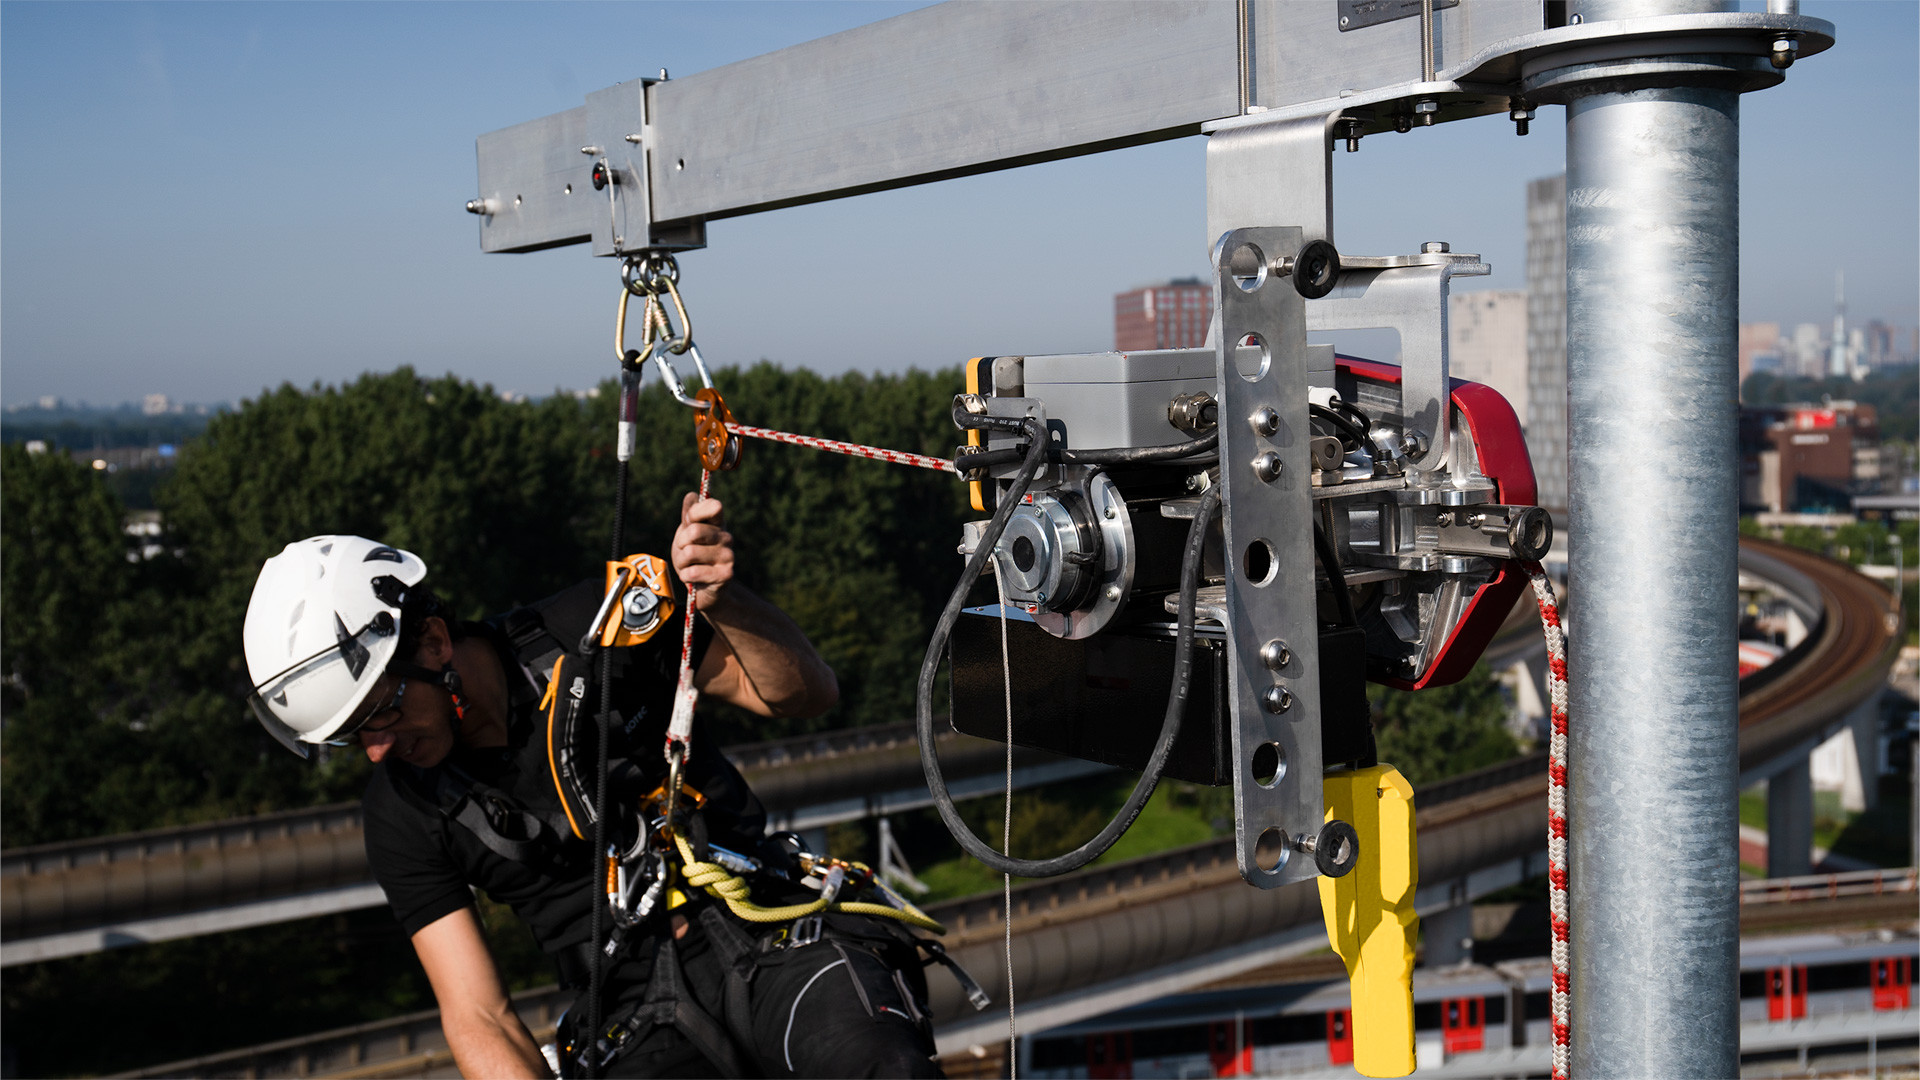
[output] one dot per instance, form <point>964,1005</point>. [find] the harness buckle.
<point>806,930</point>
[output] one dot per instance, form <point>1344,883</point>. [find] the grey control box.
<point>1113,399</point>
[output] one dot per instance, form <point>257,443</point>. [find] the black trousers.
<point>733,998</point>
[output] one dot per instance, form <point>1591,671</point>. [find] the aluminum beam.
<point>958,89</point>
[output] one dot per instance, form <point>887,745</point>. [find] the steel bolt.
<point>1112,512</point>
<point>1113,592</point>
<point>1277,699</point>
<point>1267,466</point>
<point>1275,654</point>
<point>1426,110</point>
<point>1265,420</point>
<point>1784,52</point>
<point>1435,247</point>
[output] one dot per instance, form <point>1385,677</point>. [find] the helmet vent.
<point>292,640</point>
<point>299,609</point>
<point>326,549</point>
<point>280,699</point>
<point>383,554</point>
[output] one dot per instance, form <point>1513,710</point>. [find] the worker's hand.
<point>703,550</point>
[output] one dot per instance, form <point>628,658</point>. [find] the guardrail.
<point>1830,886</point>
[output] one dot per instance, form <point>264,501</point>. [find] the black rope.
<point>596,887</point>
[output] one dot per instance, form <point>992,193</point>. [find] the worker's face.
<point>418,729</point>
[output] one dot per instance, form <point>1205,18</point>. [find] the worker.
<point>347,646</point>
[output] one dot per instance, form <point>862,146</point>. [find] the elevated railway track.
<point>1083,944</point>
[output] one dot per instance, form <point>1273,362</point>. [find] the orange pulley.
<point>717,442</point>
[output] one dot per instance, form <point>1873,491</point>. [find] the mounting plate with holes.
<point>1267,514</point>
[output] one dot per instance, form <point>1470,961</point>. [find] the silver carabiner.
<point>672,378</point>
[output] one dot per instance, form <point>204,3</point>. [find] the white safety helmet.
<point>321,628</point>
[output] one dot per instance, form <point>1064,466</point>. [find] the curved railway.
<point>1161,923</point>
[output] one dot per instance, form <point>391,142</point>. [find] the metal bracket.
<point>1407,293</point>
<point>1266,469</point>
<point>619,129</point>
<point>1279,171</point>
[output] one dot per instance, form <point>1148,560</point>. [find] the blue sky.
<point>206,199</point>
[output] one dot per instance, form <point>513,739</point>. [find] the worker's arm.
<point>759,659</point>
<point>485,1034</point>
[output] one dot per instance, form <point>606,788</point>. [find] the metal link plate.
<point>1269,556</point>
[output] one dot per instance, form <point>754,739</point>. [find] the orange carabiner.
<point>717,444</point>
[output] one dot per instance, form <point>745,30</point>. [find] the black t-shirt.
<point>427,863</point>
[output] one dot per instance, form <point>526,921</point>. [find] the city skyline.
<point>281,201</point>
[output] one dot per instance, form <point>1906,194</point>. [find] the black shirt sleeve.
<point>408,852</point>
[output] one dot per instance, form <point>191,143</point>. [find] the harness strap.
<point>460,798</point>
<point>669,1001</point>
<point>737,956</point>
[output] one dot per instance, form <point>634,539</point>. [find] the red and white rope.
<point>1560,996</point>
<point>875,453</point>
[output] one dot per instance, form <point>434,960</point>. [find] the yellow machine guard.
<point>1370,917</point>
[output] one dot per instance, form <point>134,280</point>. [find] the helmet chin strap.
<point>446,679</point>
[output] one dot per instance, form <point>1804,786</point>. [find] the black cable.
<point>1176,700</point>
<point>1141,455</point>
<point>1336,578</point>
<point>596,887</point>
<point>1352,437</point>
<point>1125,455</point>
<point>1352,412</point>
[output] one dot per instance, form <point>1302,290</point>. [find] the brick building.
<point>1807,456</point>
<point>1170,316</point>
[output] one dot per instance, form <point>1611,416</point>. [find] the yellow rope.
<point>724,885</point>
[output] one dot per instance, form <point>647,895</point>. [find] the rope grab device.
<point>1256,573</point>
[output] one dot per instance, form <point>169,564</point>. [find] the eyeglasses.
<point>379,718</point>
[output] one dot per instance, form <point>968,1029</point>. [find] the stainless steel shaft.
<point>1652,328</point>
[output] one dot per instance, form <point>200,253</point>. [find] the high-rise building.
<point>1839,363</point>
<point>1170,316</point>
<point>1879,345</point>
<point>1546,414</point>
<point>1487,342</point>
<point>1759,348</point>
<point>1809,351</point>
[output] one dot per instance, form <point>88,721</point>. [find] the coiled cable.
<point>943,630</point>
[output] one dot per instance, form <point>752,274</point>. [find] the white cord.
<point>1006,828</point>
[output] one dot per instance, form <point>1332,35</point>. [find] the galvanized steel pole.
<point>1652,340</point>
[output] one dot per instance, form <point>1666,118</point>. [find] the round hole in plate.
<point>679,163</point>
<point>569,190</point>
<point>1258,564</point>
<point>1270,852</point>
<point>1269,764</point>
<point>1251,358</point>
<point>1247,265</point>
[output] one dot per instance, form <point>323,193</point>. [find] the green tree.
<point>1443,731</point>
